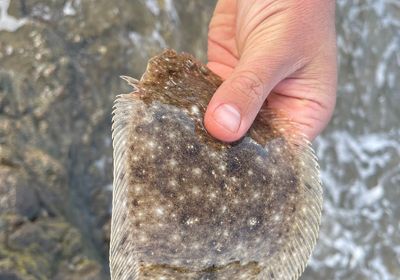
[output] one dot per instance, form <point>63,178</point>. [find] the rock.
<point>9,275</point>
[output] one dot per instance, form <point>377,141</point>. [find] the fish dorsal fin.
<point>123,263</point>
<point>291,260</point>
<point>131,81</point>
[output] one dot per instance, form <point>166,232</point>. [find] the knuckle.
<point>249,84</point>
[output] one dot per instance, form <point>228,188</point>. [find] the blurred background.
<point>60,62</point>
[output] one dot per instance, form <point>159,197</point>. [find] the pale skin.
<point>283,51</point>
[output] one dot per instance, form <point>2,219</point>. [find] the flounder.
<point>187,206</point>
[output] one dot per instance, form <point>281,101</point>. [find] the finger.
<point>222,53</point>
<point>309,100</point>
<point>237,101</point>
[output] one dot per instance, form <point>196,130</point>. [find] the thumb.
<point>238,100</point>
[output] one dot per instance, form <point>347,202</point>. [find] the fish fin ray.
<point>131,81</point>
<point>123,261</point>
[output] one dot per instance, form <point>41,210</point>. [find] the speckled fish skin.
<point>186,206</point>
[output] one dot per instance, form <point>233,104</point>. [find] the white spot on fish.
<point>195,110</point>
<point>159,211</point>
<point>196,171</point>
<point>252,221</point>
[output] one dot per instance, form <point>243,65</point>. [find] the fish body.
<point>187,206</point>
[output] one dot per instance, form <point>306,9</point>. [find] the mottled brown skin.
<point>199,208</point>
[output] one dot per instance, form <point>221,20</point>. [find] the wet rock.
<point>38,249</point>
<point>16,194</point>
<point>9,275</point>
<point>7,190</point>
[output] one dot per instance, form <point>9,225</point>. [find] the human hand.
<point>281,49</point>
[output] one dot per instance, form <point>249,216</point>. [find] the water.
<point>59,68</point>
<point>360,150</point>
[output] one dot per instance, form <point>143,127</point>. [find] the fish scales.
<point>187,206</point>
